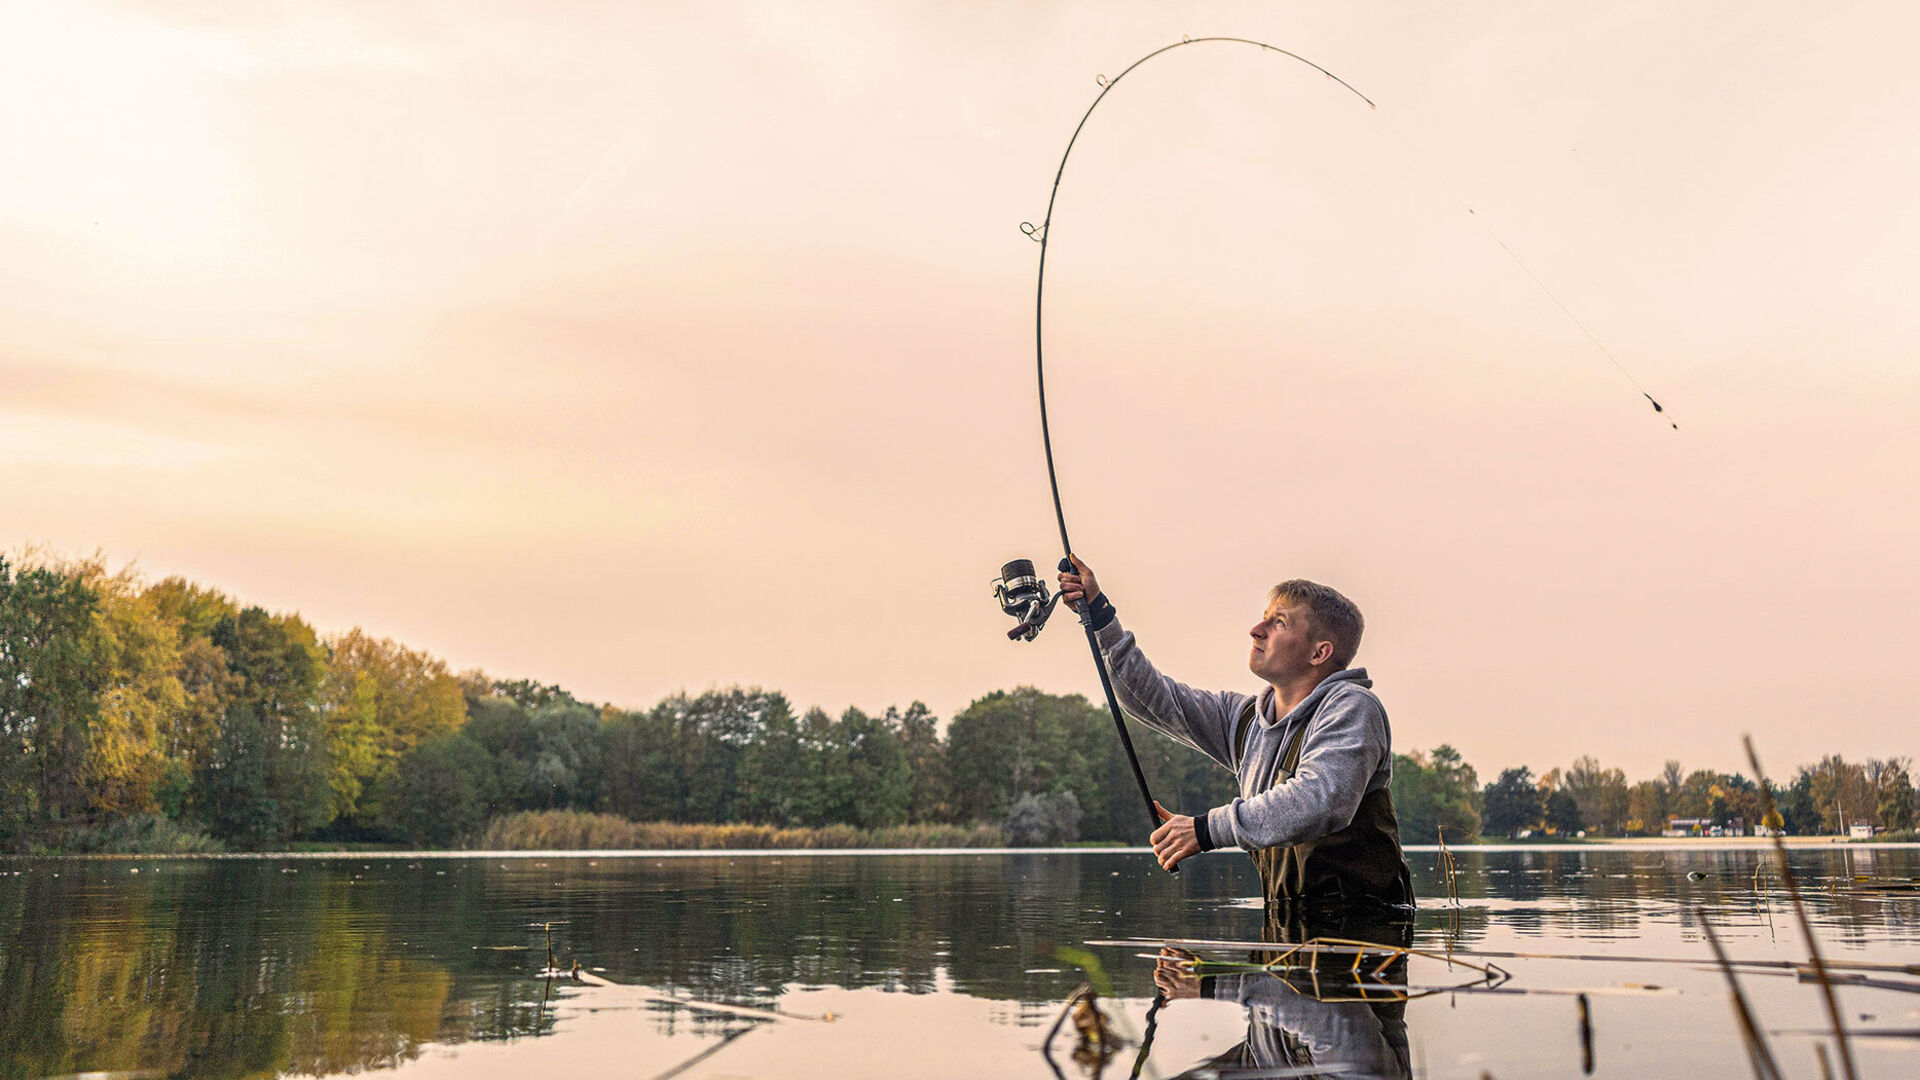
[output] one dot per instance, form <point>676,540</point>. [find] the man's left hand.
<point>1174,840</point>
<point>1173,974</point>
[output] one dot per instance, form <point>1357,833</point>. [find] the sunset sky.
<point>648,347</point>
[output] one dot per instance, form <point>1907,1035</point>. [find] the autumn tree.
<point>378,700</point>
<point>1841,793</point>
<point>1600,793</point>
<point>1892,783</point>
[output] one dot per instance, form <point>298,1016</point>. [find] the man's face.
<point>1283,645</point>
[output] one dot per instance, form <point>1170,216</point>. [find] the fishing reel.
<point>1023,595</point>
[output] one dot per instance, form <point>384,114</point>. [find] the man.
<point>1312,751</point>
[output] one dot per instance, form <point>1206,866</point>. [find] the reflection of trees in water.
<point>228,970</point>
<point>1612,891</point>
<point>234,968</point>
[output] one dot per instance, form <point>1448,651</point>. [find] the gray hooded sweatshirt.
<point>1347,751</point>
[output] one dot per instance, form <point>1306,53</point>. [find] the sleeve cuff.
<point>1201,834</point>
<point>1220,828</point>
<point>1102,613</point>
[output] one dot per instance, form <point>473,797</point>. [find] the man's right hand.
<point>1078,585</point>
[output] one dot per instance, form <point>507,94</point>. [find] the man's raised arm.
<point>1202,719</point>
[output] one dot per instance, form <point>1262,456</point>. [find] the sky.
<point>650,347</point>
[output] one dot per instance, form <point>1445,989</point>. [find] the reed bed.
<point>567,830</point>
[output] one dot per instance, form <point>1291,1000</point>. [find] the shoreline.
<point>1642,843</point>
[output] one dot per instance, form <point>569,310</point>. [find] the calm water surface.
<point>943,965</point>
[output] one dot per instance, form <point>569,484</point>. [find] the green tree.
<point>1562,813</point>
<point>568,763</point>
<point>711,734</point>
<point>1020,742</point>
<point>642,782</point>
<point>442,791</point>
<point>502,726</point>
<point>1435,792</point>
<point>877,769</point>
<point>932,794</point>
<point>1512,804</point>
<point>1800,813</point>
<point>266,781</point>
<point>49,695</point>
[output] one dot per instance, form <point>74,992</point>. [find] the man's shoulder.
<point>1351,695</point>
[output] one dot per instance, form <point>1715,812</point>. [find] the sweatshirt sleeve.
<point>1202,719</point>
<point>1342,751</point>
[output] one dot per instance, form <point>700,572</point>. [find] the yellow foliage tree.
<point>380,699</point>
<point>136,650</point>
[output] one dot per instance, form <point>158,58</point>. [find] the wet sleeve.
<point>1202,719</point>
<point>1342,751</point>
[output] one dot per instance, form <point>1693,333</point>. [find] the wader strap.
<point>1245,729</point>
<point>1289,761</point>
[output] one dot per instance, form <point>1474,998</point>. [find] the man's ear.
<point>1322,653</point>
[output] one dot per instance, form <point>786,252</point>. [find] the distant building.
<point>1699,826</point>
<point>1860,830</point>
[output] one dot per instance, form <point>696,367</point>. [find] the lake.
<point>930,965</point>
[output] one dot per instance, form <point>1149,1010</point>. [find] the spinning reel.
<point>1023,595</point>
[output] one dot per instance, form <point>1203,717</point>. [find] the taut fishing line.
<point>1020,590</point>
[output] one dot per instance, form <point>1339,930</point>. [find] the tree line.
<point>1440,791</point>
<point>168,714</point>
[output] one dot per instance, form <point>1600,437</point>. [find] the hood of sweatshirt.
<point>1313,699</point>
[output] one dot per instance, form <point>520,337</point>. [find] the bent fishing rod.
<point>1019,589</point>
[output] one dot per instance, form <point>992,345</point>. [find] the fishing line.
<point>1604,351</point>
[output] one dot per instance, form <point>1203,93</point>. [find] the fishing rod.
<point>1019,589</point>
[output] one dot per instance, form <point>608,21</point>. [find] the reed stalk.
<point>1759,1054</point>
<point>1806,924</point>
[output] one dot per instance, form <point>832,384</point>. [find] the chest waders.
<point>1360,864</point>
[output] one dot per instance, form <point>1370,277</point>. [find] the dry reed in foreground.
<point>565,830</point>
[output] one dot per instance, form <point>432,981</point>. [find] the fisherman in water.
<point>1312,752</point>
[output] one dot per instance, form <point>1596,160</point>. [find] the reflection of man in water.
<point>1349,1027</point>
<point>1348,1031</point>
<point>1312,751</point>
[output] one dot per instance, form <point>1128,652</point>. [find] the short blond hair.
<point>1330,616</point>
